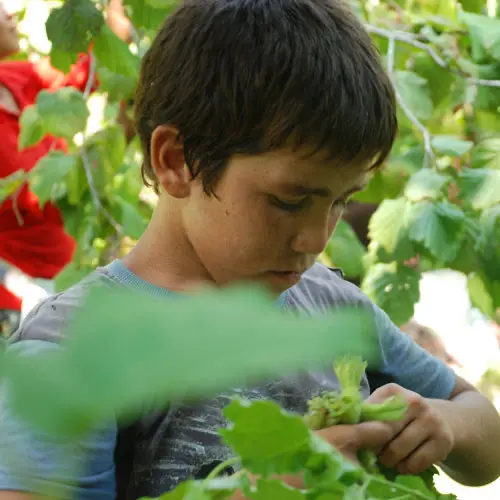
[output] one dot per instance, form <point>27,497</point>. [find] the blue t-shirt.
<point>87,471</point>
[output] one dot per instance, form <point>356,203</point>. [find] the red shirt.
<point>40,247</point>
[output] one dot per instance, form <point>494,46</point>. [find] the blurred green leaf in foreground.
<point>126,351</point>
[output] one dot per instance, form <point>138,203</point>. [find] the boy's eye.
<point>289,206</point>
<point>297,206</point>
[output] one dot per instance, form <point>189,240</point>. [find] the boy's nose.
<point>311,240</point>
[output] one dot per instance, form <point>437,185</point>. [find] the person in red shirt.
<point>33,241</point>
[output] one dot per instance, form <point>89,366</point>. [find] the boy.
<point>258,119</point>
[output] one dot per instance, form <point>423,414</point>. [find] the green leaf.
<point>113,138</point>
<point>466,260</point>
<point>345,250</point>
<point>268,440</point>
<point>449,145</point>
<point>387,227</point>
<point>118,87</point>
<point>389,181</point>
<point>49,173</point>
<point>415,93</point>
<point>488,98</point>
<point>439,80</point>
<point>213,489</point>
<point>114,54</point>
<point>224,486</point>
<point>127,184</point>
<point>69,391</point>
<point>144,15</point>
<point>32,129</point>
<point>162,4</point>
<point>10,184</point>
<point>74,215</point>
<point>133,223</point>
<point>416,484</point>
<point>425,184</point>
<point>480,187</point>
<point>485,31</point>
<point>488,246</point>
<point>61,59</point>
<point>394,288</point>
<point>384,490</point>
<point>76,184</point>
<point>187,490</point>
<point>487,154</point>
<point>64,113</point>
<point>440,227</point>
<point>475,6</point>
<point>274,489</point>
<point>72,26</point>
<point>480,293</point>
<point>106,151</point>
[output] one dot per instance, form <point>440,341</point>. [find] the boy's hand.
<point>349,439</point>
<point>422,438</point>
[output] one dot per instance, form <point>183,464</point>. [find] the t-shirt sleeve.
<point>41,464</point>
<point>410,365</point>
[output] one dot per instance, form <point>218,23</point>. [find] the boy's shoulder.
<point>49,319</point>
<point>322,288</point>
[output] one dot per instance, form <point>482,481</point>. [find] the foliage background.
<point>438,196</point>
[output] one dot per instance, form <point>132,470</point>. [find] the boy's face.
<point>271,217</point>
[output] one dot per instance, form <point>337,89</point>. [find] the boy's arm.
<point>462,417</point>
<point>33,465</point>
<point>475,424</point>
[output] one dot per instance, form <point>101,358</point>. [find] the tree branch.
<point>429,153</point>
<point>409,39</point>
<point>91,78</point>
<point>15,206</point>
<point>85,159</point>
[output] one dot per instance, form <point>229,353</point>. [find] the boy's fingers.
<point>348,439</point>
<point>373,435</point>
<point>385,392</point>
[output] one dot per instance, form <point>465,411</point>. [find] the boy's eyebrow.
<point>302,190</point>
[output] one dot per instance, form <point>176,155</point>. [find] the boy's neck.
<point>164,257</point>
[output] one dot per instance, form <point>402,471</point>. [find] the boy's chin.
<point>278,282</point>
<point>282,280</point>
<point>272,285</point>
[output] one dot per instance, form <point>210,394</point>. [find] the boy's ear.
<point>168,162</point>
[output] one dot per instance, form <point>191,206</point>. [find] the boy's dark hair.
<point>250,76</point>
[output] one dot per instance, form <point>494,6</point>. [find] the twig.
<point>85,159</point>
<point>15,207</point>
<point>91,78</point>
<point>429,153</point>
<point>136,38</point>
<point>407,38</point>
<point>95,195</point>
<point>391,54</point>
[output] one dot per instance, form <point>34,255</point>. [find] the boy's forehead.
<point>298,176</point>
